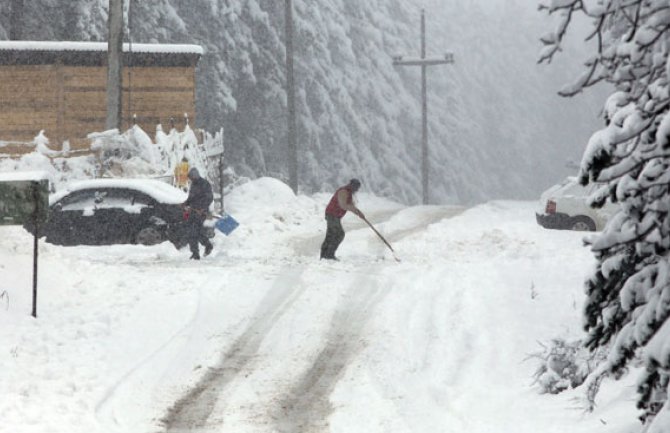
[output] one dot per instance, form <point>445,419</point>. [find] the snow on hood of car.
<point>160,191</point>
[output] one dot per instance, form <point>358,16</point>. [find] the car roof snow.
<point>158,190</point>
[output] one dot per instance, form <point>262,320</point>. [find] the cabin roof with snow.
<point>95,53</point>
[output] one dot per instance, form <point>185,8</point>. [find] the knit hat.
<point>193,173</point>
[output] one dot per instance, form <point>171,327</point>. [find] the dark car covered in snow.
<point>116,211</point>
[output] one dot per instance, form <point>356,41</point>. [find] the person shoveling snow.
<point>341,202</point>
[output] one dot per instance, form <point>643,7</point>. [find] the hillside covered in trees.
<point>496,124</point>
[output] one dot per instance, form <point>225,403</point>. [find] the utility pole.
<point>290,95</point>
<point>16,20</point>
<point>129,69</point>
<point>114,63</point>
<point>424,62</point>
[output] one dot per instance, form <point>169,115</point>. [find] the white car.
<point>564,207</point>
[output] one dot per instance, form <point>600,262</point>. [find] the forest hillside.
<point>497,127</point>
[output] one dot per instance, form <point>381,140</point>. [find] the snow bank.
<point>262,193</point>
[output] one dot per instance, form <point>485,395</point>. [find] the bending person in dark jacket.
<point>199,198</point>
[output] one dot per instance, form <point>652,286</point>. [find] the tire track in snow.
<point>102,407</point>
<point>306,406</point>
<point>192,411</point>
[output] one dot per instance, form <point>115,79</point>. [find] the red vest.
<point>334,208</point>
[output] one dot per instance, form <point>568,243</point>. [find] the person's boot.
<point>208,249</point>
<point>325,252</point>
<point>195,256</point>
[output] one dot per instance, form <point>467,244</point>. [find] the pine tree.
<point>628,295</point>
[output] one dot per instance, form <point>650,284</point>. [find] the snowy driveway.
<point>320,345</point>
<point>264,337</point>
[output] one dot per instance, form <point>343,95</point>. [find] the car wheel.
<point>178,235</point>
<point>178,243</point>
<point>149,236</point>
<point>582,224</point>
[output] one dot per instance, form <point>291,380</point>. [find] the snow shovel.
<point>382,238</point>
<point>226,224</point>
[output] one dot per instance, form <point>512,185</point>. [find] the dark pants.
<point>334,237</point>
<point>196,234</point>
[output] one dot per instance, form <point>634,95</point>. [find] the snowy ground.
<point>264,337</point>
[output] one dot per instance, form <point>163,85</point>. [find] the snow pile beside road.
<point>268,201</point>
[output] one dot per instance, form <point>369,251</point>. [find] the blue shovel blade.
<point>226,224</point>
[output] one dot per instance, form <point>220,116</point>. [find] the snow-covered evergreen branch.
<point>628,296</point>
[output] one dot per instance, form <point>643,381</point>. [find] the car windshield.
<point>113,198</point>
<point>79,200</point>
<point>152,190</point>
<point>573,189</point>
<point>104,198</point>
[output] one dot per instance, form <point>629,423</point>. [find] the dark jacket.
<point>200,195</point>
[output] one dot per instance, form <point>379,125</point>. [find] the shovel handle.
<point>378,234</point>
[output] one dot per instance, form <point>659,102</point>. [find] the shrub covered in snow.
<point>563,365</point>
<point>129,154</point>
<point>61,170</point>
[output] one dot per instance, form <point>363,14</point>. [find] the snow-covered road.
<point>264,337</point>
<point>297,399</point>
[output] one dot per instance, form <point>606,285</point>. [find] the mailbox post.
<point>24,200</point>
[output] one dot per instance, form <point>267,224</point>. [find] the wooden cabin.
<point>60,87</point>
